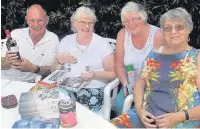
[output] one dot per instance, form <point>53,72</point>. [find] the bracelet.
<point>186,114</point>
<point>37,70</point>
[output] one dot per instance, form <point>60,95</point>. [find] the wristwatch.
<point>37,70</point>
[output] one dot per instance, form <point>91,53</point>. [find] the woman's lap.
<point>128,120</point>
<point>92,98</point>
<point>131,120</point>
<point>189,124</point>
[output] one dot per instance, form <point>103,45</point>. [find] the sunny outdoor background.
<point>107,11</point>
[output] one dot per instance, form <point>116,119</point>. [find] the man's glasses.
<point>177,28</point>
<point>83,23</point>
<point>136,19</point>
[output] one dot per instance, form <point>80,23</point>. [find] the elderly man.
<point>37,48</point>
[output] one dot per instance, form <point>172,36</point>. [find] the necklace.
<point>81,48</point>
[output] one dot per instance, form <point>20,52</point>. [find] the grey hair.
<point>37,5</point>
<point>178,14</point>
<point>80,11</point>
<point>134,7</point>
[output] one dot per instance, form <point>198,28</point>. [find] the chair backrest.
<point>2,42</point>
<point>112,42</point>
<point>110,90</point>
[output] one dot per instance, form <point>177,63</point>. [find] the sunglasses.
<point>177,28</point>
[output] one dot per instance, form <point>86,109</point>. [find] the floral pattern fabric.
<point>92,98</point>
<point>170,86</point>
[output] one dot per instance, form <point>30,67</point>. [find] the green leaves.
<point>13,14</point>
<point>107,11</point>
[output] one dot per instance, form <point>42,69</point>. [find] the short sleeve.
<point>66,42</point>
<point>108,50</point>
<point>61,47</point>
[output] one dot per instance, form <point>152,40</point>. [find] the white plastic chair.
<point>112,42</point>
<point>2,42</point>
<point>110,91</point>
<point>108,98</point>
<point>127,103</point>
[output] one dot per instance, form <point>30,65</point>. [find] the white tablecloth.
<point>86,118</point>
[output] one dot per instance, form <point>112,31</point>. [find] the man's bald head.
<point>36,7</point>
<point>37,20</point>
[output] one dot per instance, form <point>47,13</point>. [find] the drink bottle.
<point>12,44</point>
<point>131,76</point>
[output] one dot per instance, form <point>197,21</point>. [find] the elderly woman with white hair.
<point>134,42</point>
<point>85,48</point>
<point>167,94</point>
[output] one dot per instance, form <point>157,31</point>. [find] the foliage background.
<point>107,11</point>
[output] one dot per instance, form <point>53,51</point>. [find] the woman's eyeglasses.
<point>135,19</point>
<point>83,23</point>
<point>177,28</point>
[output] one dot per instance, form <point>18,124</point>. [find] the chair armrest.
<point>38,78</point>
<point>110,86</point>
<point>127,103</point>
<point>113,85</point>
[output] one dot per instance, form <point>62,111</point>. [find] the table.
<point>86,118</point>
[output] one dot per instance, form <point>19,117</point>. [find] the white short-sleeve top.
<point>92,55</point>
<point>41,54</point>
<point>134,56</point>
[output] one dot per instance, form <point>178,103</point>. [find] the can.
<point>131,77</point>
<point>67,109</point>
<point>129,69</point>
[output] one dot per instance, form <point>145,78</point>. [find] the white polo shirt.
<point>93,56</point>
<point>41,54</point>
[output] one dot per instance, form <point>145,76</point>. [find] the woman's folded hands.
<point>147,118</point>
<point>65,57</point>
<point>168,120</point>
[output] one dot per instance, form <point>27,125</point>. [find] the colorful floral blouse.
<point>170,87</point>
<point>170,83</point>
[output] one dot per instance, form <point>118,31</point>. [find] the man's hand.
<point>147,118</point>
<point>64,57</point>
<point>9,58</point>
<point>24,65</point>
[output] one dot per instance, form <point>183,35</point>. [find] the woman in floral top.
<point>167,93</point>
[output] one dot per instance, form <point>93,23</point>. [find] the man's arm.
<point>9,58</point>
<point>4,63</point>
<point>42,70</point>
<point>27,66</point>
<point>119,58</point>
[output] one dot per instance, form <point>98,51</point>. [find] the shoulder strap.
<point>126,35</point>
<point>161,49</point>
<point>187,54</point>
